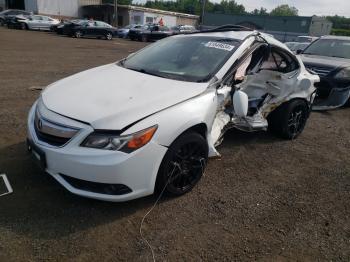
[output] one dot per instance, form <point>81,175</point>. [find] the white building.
<point>100,10</point>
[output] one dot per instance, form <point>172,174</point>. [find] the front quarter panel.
<point>173,121</point>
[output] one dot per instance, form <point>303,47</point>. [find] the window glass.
<point>330,47</point>
<point>194,59</point>
<point>149,19</point>
<point>37,17</point>
<point>280,61</point>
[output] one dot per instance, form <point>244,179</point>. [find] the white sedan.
<point>150,122</point>
<point>38,22</point>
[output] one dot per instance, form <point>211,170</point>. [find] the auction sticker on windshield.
<point>220,46</point>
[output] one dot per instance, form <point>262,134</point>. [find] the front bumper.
<point>85,171</point>
<point>331,94</point>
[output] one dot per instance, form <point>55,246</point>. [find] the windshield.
<point>330,47</point>
<point>195,58</point>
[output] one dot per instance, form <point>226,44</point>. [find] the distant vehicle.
<point>8,14</point>
<point>329,57</point>
<point>183,29</point>
<point>95,29</point>
<point>16,22</point>
<point>306,38</point>
<point>37,22</point>
<point>124,32</point>
<point>64,26</point>
<point>295,46</point>
<point>150,32</point>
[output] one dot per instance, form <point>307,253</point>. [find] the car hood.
<point>113,97</point>
<point>324,61</point>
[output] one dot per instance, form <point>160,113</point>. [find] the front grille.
<point>94,187</point>
<point>52,133</point>
<point>321,71</point>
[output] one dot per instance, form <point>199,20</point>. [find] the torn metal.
<point>266,90</point>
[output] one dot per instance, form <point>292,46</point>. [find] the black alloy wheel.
<point>183,164</point>
<point>288,120</point>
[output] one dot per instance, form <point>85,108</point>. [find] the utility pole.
<point>115,20</point>
<point>203,10</point>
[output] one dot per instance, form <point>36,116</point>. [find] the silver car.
<point>38,22</point>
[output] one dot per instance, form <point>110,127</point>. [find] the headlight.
<point>125,144</point>
<point>343,74</point>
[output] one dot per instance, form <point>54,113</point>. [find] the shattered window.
<point>279,61</point>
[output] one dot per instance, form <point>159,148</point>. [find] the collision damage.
<point>150,121</point>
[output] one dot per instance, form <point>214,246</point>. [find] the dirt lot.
<point>265,199</point>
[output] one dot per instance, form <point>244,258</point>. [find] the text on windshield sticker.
<point>220,46</point>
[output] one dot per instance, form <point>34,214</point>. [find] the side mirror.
<point>299,51</point>
<point>240,103</point>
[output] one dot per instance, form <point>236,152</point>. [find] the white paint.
<point>112,98</point>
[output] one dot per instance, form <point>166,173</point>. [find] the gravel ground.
<point>265,199</point>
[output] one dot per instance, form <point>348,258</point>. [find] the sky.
<point>305,7</point>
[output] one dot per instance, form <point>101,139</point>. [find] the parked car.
<point>183,29</point>
<point>8,14</point>
<point>63,28</point>
<point>38,22</point>
<point>329,57</point>
<point>150,32</point>
<point>295,46</point>
<point>16,22</point>
<point>95,29</point>
<point>124,32</point>
<point>150,121</point>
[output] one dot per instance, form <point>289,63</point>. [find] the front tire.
<point>109,36</point>
<point>183,165</point>
<point>78,34</point>
<point>289,119</point>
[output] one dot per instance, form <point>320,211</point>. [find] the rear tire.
<point>183,165</point>
<point>24,26</point>
<point>289,119</point>
<point>144,38</point>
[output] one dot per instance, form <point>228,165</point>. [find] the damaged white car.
<point>121,131</point>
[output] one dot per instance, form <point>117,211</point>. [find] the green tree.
<point>285,10</point>
<point>262,11</point>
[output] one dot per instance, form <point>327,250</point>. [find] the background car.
<point>150,32</point>
<point>16,22</point>
<point>8,14</point>
<point>95,29</point>
<point>63,27</point>
<point>329,57</point>
<point>124,32</point>
<point>183,29</point>
<point>38,22</point>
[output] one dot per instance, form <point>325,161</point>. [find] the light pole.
<point>115,20</point>
<point>203,10</point>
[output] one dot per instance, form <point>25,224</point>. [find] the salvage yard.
<point>265,198</point>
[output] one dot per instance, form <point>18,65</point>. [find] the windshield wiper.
<point>141,70</point>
